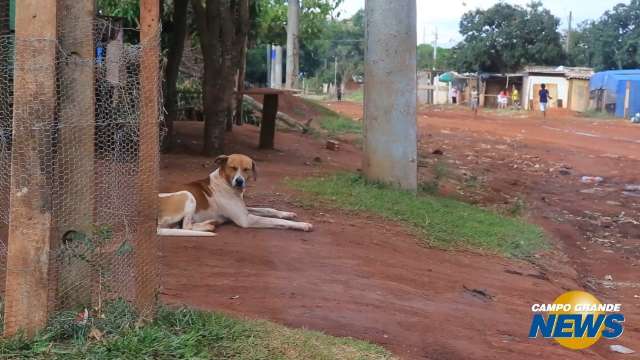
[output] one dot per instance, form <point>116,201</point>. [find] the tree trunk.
<point>223,27</point>
<point>241,76</point>
<point>174,58</point>
<point>215,111</point>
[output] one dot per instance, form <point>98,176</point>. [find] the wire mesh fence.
<point>74,122</point>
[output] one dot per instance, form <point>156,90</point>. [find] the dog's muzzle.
<point>239,182</point>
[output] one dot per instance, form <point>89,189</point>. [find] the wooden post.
<point>29,245</point>
<point>145,250</point>
<point>627,99</point>
<point>75,153</point>
<point>268,124</point>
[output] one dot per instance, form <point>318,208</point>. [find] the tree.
<point>507,37</point>
<point>269,27</point>
<point>174,58</point>
<point>222,29</point>
<point>611,42</point>
<point>425,58</point>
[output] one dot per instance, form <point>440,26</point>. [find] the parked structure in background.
<point>616,92</point>
<point>568,86</point>
<point>434,87</point>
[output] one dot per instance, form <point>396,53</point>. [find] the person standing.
<point>475,100</point>
<point>502,99</point>
<point>453,94</point>
<point>544,99</point>
<point>515,98</point>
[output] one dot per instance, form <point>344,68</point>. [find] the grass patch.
<point>440,221</point>
<point>356,96</point>
<point>181,334</point>
<point>332,122</point>
<point>338,125</point>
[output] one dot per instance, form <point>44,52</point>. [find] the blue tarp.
<point>614,82</point>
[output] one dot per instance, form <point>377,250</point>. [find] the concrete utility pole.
<point>293,44</point>
<point>335,76</point>
<point>569,32</point>
<point>269,65</point>
<point>435,50</point>
<point>277,73</point>
<point>390,135</point>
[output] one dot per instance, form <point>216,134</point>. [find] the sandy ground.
<point>363,277</point>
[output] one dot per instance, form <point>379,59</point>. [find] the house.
<point>568,86</point>
<point>434,87</point>
<point>493,84</point>
<point>616,91</point>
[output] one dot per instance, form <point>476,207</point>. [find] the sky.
<point>446,15</point>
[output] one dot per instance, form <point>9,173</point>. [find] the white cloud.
<point>445,15</point>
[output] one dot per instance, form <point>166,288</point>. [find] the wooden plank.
<point>75,153</point>
<point>145,252</point>
<point>268,124</point>
<point>28,258</point>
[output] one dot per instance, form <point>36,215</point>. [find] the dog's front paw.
<point>307,227</point>
<point>289,215</point>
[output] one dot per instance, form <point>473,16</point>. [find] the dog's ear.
<point>221,160</point>
<point>254,170</point>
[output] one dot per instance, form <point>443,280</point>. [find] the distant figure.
<point>503,99</point>
<point>544,99</point>
<point>454,95</point>
<point>339,92</point>
<point>475,100</point>
<point>515,98</point>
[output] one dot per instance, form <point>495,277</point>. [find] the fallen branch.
<point>284,118</point>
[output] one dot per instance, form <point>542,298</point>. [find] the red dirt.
<point>363,277</point>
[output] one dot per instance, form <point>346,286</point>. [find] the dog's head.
<point>236,169</point>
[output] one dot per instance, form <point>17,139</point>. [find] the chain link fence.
<point>83,135</point>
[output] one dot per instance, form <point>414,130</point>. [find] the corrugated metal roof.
<point>569,72</point>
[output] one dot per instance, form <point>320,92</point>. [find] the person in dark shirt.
<point>544,99</point>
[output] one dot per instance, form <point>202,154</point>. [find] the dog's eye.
<point>234,168</point>
<point>246,169</point>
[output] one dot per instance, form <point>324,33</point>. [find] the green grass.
<point>332,122</point>
<point>181,334</point>
<point>441,222</point>
<point>339,125</point>
<point>356,96</point>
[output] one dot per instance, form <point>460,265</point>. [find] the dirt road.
<point>362,277</point>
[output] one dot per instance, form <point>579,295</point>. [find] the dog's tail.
<point>183,232</point>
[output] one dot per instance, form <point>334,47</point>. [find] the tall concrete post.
<point>390,131</point>
<point>293,44</point>
<point>278,68</point>
<point>269,65</point>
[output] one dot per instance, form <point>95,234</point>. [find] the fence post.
<point>29,244</point>
<point>76,132</point>
<point>145,249</point>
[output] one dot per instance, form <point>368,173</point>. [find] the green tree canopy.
<point>611,42</point>
<point>507,37</point>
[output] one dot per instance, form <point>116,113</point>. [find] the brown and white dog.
<point>203,204</point>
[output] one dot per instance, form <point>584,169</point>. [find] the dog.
<point>202,205</point>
